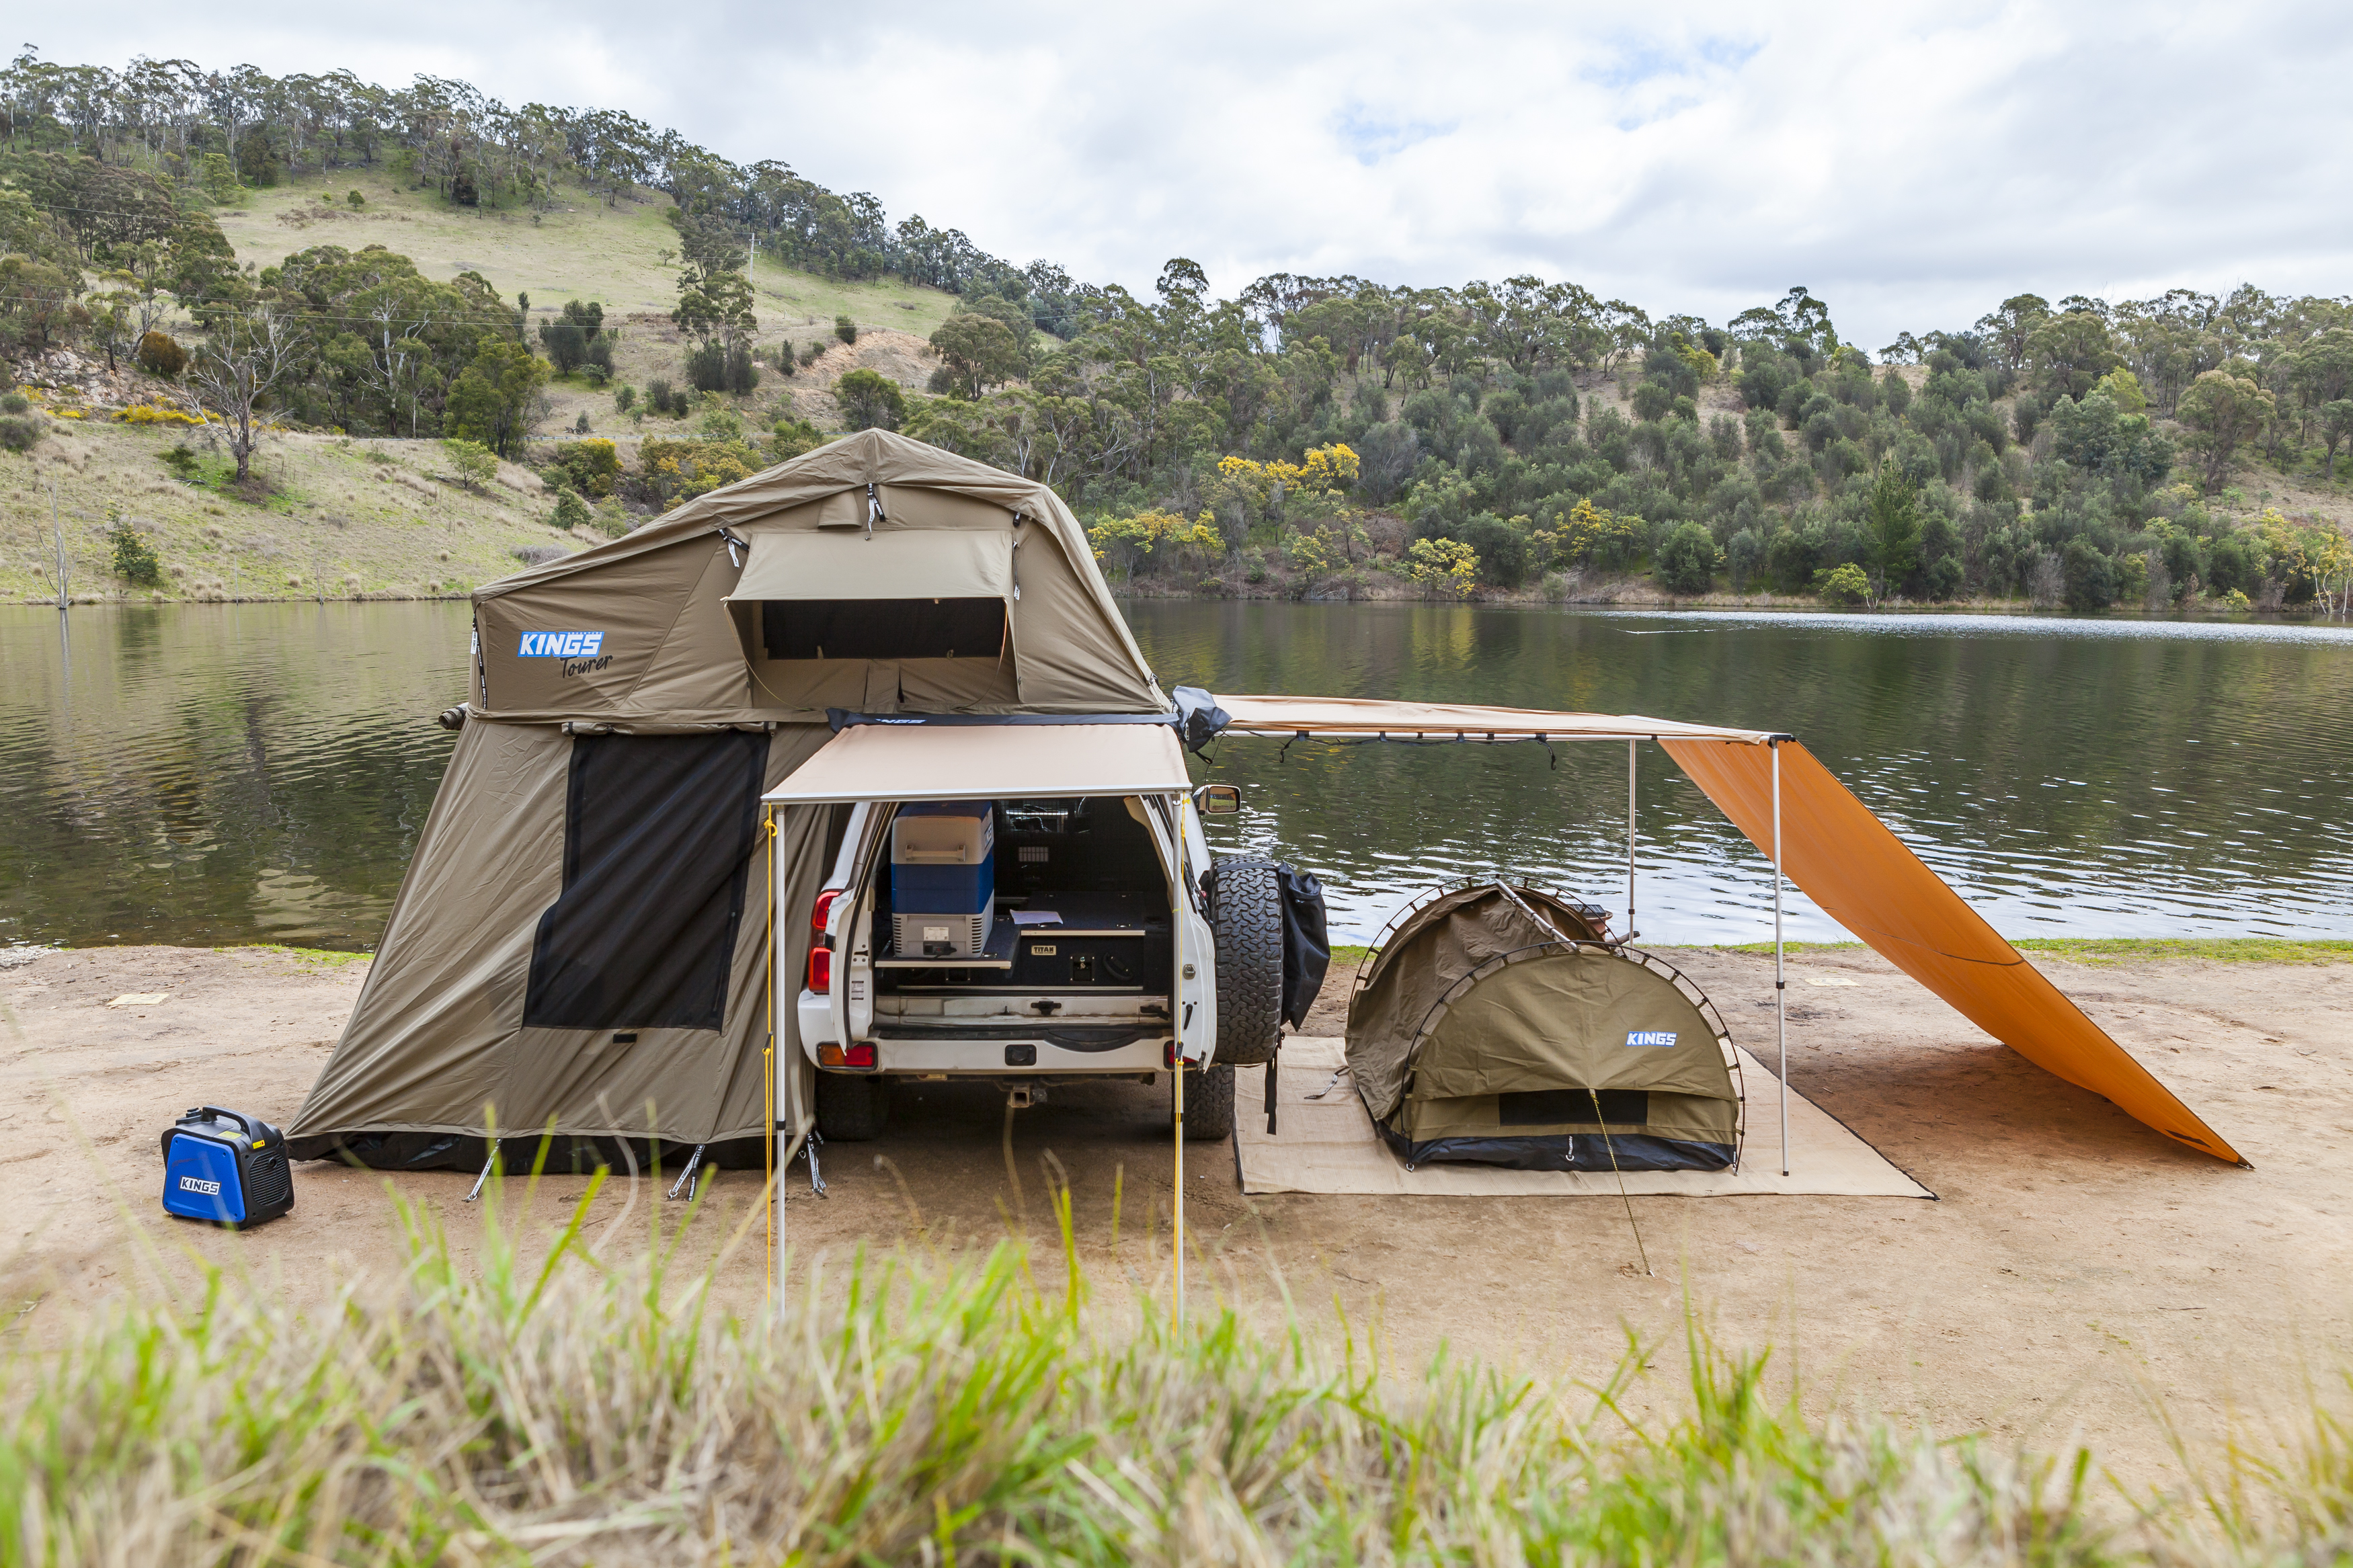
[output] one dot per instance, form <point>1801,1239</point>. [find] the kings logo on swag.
<point>1651,1038</point>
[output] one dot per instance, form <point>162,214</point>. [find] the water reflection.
<point>216,773</point>
<point>2069,776</point>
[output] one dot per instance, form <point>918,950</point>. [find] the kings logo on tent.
<point>561,644</point>
<point>1650,1037</point>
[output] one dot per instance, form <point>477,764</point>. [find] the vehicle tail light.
<point>833,1055</point>
<point>823,909</point>
<point>820,970</point>
<point>1169,1055</point>
<point>860,1056</point>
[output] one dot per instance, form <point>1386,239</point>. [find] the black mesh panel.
<point>882,628</point>
<point>658,838</point>
<point>1573,1107</point>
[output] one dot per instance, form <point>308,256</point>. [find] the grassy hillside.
<point>582,250</point>
<point>344,517</point>
<point>347,518</point>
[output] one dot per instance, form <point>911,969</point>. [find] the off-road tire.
<point>1246,918</point>
<point>853,1107</point>
<point>1209,1104</point>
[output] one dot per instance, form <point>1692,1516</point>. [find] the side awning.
<point>1833,848</point>
<point>1366,716</point>
<point>994,762</point>
<point>1866,879</point>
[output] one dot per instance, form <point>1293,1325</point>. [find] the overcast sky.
<point>1912,163</point>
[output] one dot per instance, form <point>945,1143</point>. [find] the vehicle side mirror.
<point>1218,800</point>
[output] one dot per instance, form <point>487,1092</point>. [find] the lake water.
<point>226,774</point>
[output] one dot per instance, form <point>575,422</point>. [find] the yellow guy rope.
<point>768,1052</point>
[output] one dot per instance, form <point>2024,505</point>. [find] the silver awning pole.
<point>1181,905</point>
<point>1780,975</point>
<point>1631,933</point>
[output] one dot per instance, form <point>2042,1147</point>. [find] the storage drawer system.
<point>1056,942</point>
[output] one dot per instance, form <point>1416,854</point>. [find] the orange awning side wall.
<point>1862,877</point>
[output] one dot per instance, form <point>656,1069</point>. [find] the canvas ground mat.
<point>1328,1145</point>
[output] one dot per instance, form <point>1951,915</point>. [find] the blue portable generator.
<point>225,1167</point>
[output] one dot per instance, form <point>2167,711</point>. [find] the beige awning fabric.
<point>1364,716</point>
<point>990,762</point>
<point>889,564</point>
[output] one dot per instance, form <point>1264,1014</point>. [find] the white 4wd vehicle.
<point>1076,969</point>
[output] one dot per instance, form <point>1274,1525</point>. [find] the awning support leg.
<point>1182,904</point>
<point>1780,974</point>
<point>1631,932</point>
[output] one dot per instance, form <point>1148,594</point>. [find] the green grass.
<point>323,957</point>
<point>2121,950</point>
<point>554,1405</point>
<point>2109,950</point>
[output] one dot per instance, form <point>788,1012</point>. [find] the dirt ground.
<point>2078,1275</point>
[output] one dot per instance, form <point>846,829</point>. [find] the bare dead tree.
<point>229,378</point>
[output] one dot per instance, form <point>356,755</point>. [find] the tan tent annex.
<point>1829,844</point>
<point>581,940</point>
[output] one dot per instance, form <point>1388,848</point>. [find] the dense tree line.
<point>217,129</point>
<point>1488,436</point>
<point>2078,452</point>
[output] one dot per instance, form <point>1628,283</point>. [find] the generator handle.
<point>221,1113</point>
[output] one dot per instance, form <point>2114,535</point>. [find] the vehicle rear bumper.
<point>987,1059</point>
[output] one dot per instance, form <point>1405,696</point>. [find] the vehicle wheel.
<point>1246,918</point>
<point>1209,1104</point>
<point>853,1107</point>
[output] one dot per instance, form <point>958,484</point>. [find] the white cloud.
<point>1911,164</point>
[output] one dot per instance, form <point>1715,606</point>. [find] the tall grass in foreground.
<point>562,1408</point>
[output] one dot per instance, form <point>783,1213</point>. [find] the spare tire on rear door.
<point>1245,897</point>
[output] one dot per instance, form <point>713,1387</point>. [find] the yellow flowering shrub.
<point>1588,535</point>
<point>1443,567</point>
<point>155,414</point>
<point>1262,492</point>
<point>682,470</point>
<point>1126,542</point>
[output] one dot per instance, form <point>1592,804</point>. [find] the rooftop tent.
<point>1831,845</point>
<point>580,939</point>
<point>876,573</point>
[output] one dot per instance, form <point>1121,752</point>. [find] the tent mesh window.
<point>658,838</point>
<point>882,628</point>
